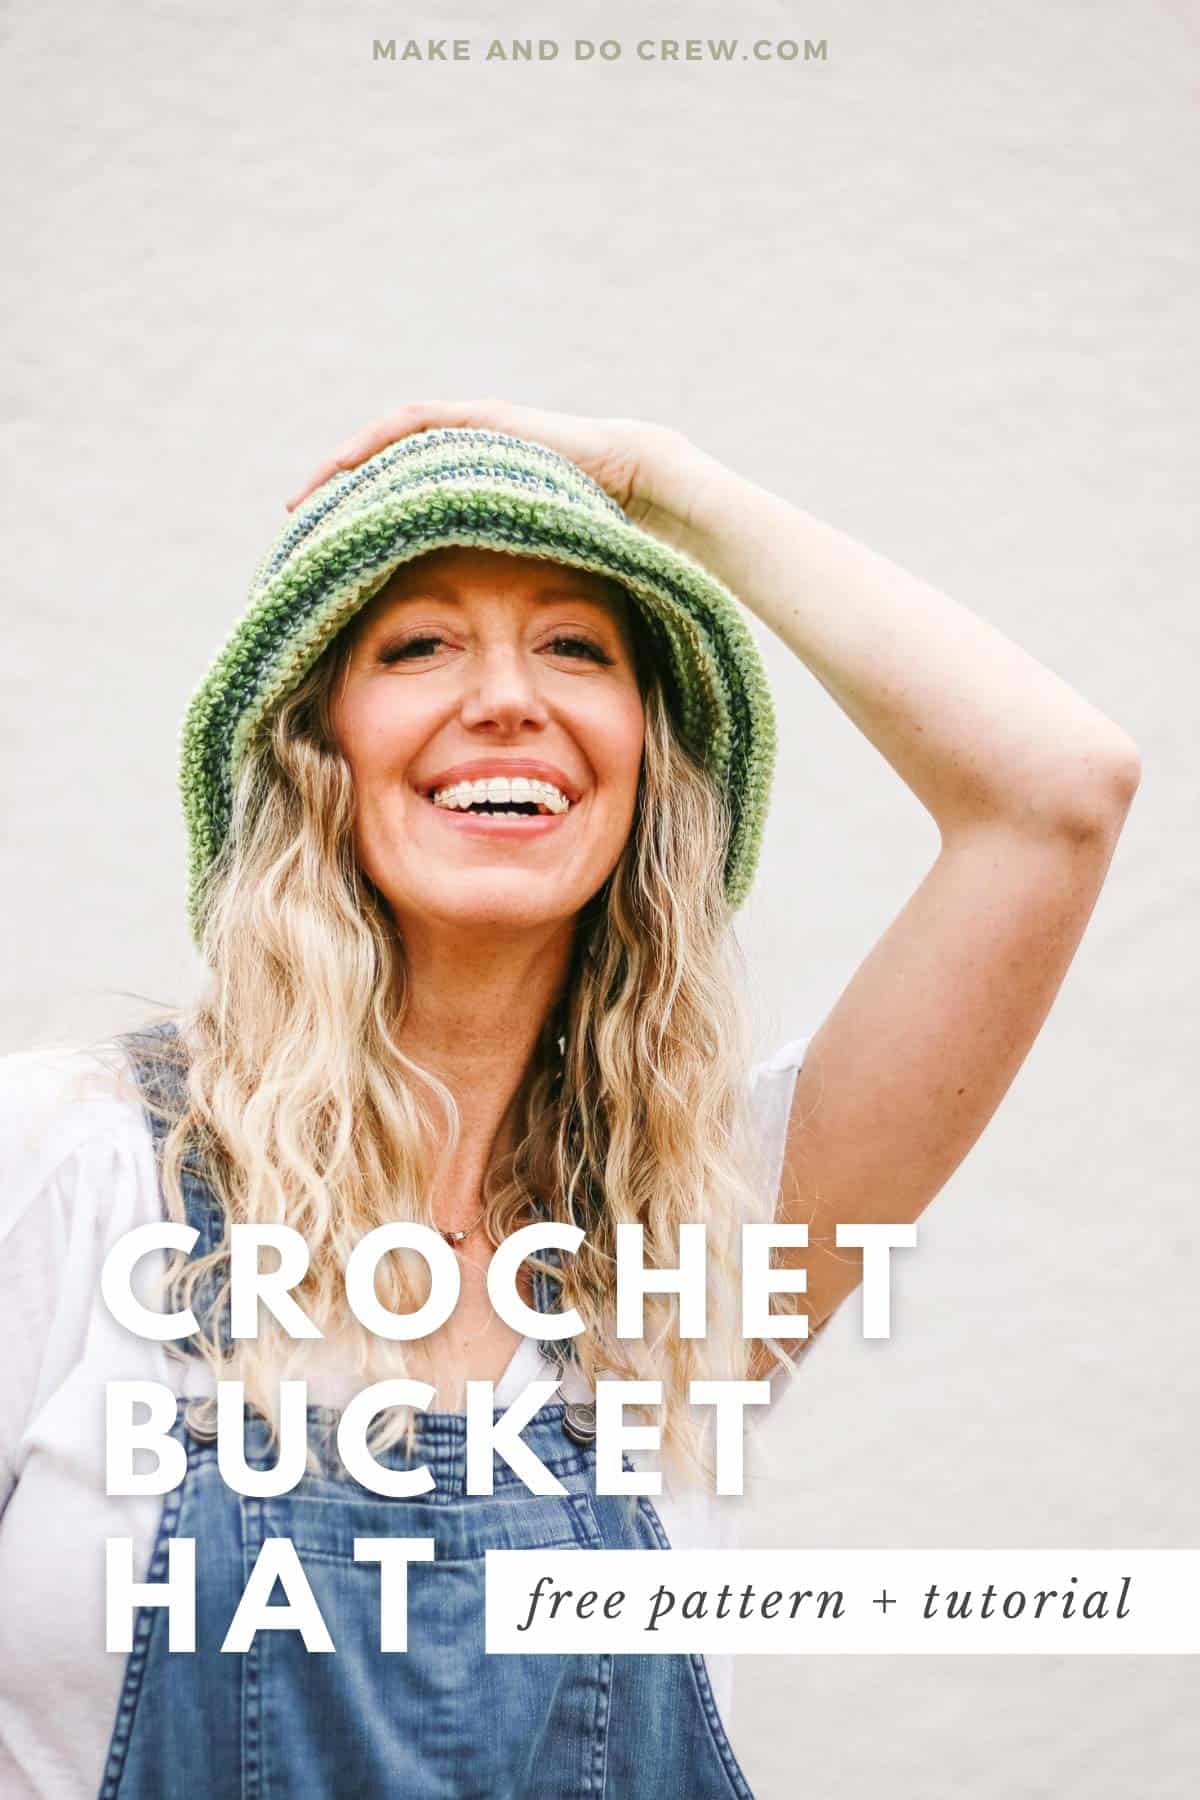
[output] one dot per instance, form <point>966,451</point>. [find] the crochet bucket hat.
<point>465,487</point>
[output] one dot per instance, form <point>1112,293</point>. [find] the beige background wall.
<point>941,291</point>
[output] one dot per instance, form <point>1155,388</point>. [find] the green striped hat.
<point>465,487</point>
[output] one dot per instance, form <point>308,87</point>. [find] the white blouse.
<point>77,1171</point>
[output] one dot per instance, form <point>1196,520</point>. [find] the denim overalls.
<point>441,1720</point>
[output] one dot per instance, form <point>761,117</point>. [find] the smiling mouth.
<point>501,797</point>
<point>498,819</point>
<point>499,809</point>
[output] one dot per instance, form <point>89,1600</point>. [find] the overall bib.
<point>441,1720</point>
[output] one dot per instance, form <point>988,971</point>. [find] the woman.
<point>476,1007</point>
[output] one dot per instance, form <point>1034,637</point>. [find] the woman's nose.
<point>503,685</point>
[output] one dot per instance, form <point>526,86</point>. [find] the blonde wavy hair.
<point>306,1112</point>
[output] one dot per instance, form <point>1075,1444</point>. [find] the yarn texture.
<point>433,490</point>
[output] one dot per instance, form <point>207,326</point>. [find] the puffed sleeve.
<point>771,1086</point>
<point>73,1173</point>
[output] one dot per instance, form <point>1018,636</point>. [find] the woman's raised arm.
<point>1029,786</point>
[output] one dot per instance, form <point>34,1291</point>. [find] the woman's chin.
<point>491,900</point>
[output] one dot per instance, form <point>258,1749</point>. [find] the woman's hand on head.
<point>645,468</point>
<point>619,454</point>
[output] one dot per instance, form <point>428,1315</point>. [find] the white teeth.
<point>500,790</point>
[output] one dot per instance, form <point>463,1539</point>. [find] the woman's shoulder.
<point>64,1089</point>
<point>72,1127</point>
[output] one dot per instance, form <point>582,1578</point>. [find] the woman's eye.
<point>584,645</point>
<point>566,644</point>
<point>408,652</point>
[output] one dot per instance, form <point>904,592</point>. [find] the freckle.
<point>962,1090</point>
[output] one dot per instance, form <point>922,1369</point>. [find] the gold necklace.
<point>456,1237</point>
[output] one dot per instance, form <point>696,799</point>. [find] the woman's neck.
<point>475,1012</point>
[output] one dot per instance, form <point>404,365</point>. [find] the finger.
<point>358,448</point>
<point>422,415</point>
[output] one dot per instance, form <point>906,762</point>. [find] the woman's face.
<point>472,665</point>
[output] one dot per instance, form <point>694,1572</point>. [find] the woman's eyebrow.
<point>546,596</point>
<point>570,597</point>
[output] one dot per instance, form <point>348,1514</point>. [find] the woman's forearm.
<point>976,727</point>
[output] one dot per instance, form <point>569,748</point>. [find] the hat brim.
<point>717,684</point>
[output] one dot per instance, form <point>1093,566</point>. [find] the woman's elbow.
<point>1096,807</point>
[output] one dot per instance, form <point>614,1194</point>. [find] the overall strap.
<point>546,1292</point>
<point>547,1298</point>
<point>158,1058</point>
